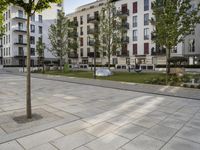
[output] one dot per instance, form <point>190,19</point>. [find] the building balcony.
<point>91,55</point>
<point>91,43</point>
<point>124,53</point>
<point>125,40</point>
<point>73,55</point>
<point>93,19</point>
<point>20,55</point>
<point>90,31</point>
<point>125,25</point>
<point>73,24</point>
<point>73,34</point>
<point>21,30</point>
<point>20,18</point>
<point>20,43</point>
<point>123,13</point>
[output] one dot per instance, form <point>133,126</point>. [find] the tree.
<point>58,36</point>
<point>173,21</point>
<point>110,35</point>
<point>2,9</point>
<point>30,7</point>
<point>40,47</point>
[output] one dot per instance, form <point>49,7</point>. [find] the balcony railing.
<point>91,43</point>
<point>125,39</point>
<point>20,17</point>
<point>90,31</point>
<point>124,53</point>
<point>125,25</point>
<point>73,55</point>
<point>93,19</point>
<point>20,43</point>
<point>23,30</point>
<point>91,54</point>
<point>73,23</point>
<point>123,13</point>
<point>73,34</point>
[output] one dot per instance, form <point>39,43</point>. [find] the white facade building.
<point>140,48</point>
<point>13,43</point>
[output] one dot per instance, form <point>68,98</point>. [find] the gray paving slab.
<point>161,132</point>
<point>144,143</point>
<point>12,145</point>
<point>190,133</point>
<point>107,142</point>
<point>73,141</point>
<point>130,131</point>
<point>39,138</point>
<point>181,144</point>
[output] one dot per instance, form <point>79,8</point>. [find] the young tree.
<point>173,21</point>
<point>30,7</point>
<point>2,8</point>
<point>110,34</point>
<point>58,36</point>
<point>40,47</point>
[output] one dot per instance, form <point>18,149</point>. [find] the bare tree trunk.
<point>94,63</point>
<point>167,61</point>
<point>28,80</point>
<point>109,61</point>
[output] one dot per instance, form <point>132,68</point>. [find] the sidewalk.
<point>135,87</point>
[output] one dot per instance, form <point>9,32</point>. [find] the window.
<point>146,5</point>
<point>81,19</point>
<point>32,51</point>
<point>146,19</point>
<point>134,35</point>
<point>32,40</point>
<point>33,17</point>
<point>88,16</point>
<point>20,26</point>
<point>81,30</point>
<point>81,51</point>
<point>146,34</point>
<point>32,28</point>
<point>124,8</point>
<point>146,48</point>
<point>134,21</point>
<point>20,14</point>
<point>20,38</point>
<point>40,18</point>
<point>134,7</point>
<point>40,29</point>
<point>81,41</point>
<point>134,49</point>
<point>20,51</point>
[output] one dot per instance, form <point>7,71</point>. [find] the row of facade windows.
<point>5,51</point>
<point>146,34</point>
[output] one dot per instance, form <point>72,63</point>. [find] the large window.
<point>40,29</point>
<point>146,34</point>
<point>146,5</point>
<point>20,38</point>
<point>134,35</point>
<point>32,28</point>
<point>40,18</point>
<point>135,7</point>
<point>146,19</point>
<point>81,20</point>
<point>20,51</point>
<point>134,21</point>
<point>20,14</point>
<point>32,40</point>
<point>81,41</point>
<point>32,51</point>
<point>134,49</point>
<point>20,26</point>
<point>146,48</point>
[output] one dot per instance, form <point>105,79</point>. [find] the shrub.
<point>192,86</point>
<point>66,68</point>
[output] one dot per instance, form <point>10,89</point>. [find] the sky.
<point>71,5</point>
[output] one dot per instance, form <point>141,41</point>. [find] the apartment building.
<point>138,47</point>
<point>13,44</point>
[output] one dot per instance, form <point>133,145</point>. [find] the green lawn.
<point>117,76</point>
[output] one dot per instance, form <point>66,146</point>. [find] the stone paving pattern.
<point>85,117</point>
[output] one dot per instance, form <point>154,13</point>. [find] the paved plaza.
<point>85,117</point>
